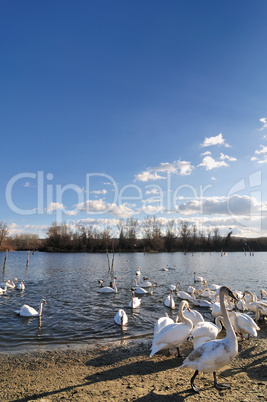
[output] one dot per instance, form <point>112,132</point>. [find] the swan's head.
<point>186,305</point>
<point>15,279</point>
<point>227,291</point>
<point>43,301</point>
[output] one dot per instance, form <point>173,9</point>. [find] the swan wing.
<point>27,311</point>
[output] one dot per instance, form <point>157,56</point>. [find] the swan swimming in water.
<point>5,288</point>
<point>27,311</point>
<point>214,355</point>
<point>109,289</point>
<point>169,301</point>
<point>198,278</point>
<point>121,318</point>
<point>135,301</point>
<point>21,285</point>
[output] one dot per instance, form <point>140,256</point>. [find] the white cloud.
<point>210,163</point>
<point>99,206</point>
<point>228,158</point>
<point>264,121</point>
<point>235,205</point>
<point>99,191</point>
<point>205,153</point>
<point>262,152</point>
<point>217,140</point>
<point>53,206</point>
<point>154,190</point>
<point>147,175</point>
<point>183,168</point>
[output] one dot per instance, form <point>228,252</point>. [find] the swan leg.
<point>195,387</point>
<point>219,386</point>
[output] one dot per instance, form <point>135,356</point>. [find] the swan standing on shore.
<point>27,311</point>
<point>214,355</point>
<point>251,303</point>
<point>173,335</point>
<point>205,331</point>
<point>161,323</point>
<point>243,324</point>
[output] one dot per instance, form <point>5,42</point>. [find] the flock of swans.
<point>228,308</point>
<point>25,310</point>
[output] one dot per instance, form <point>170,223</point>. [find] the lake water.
<point>77,314</point>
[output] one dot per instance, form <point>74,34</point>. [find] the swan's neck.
<point>228,326</point>
<point>251,296</point>
<point>40,309</point>
<point>218,322</point>
<point>182,318</point>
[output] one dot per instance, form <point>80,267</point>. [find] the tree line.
<point>131,236</point>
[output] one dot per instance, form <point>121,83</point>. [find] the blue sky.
<point>112,110</point>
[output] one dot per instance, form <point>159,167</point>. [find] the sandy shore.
<point>125,372</point>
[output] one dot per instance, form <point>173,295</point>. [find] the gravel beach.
<point>123,371</point>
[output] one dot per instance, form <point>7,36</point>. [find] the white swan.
<point>214,355</point>
<point>210,294</point>
<point>109,289</point>
<point>251,303</point>
<point>199,302</point>
<point>121,318</point>
<point>198,278</point>
<point>191,289</point>
<point>138,272</point>
<point>21,285</point>
<point>173,335</point>
<point>216,307</point>
<point>174,287</point>
<point>263,293</point>
<point>5,288</point>
<point>194,315</point>
<point>140,290</point>
<point>205,331</point>
<point>27,311</point>
<point>183,295</point>
<point>243,324</point>
<point>169,301</point>
<point>161,323</point>
<point>135,301</point>
<point>145,284</point>
<point>12,285</point>
<point>260,311</point>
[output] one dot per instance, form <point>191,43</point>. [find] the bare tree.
<point>3,232</point>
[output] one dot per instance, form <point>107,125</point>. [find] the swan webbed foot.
<point>195,387</point>
<point>220,386</point>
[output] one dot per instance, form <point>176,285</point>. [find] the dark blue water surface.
<point>77,314</point>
